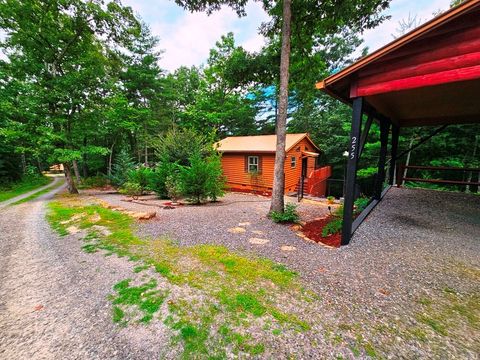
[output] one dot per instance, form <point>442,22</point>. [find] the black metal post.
<point>393,153</point>
<point>384,127</point>
<point>365,131</point>
<point>352,170</point>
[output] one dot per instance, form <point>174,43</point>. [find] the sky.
<point>186,38</point>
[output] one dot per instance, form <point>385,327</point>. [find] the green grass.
<point>22,187</point>
<point>37,194</point>
<point>145,298</point>
<point>234,289</point>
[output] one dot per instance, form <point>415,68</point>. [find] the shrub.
<point>289,215</point>
<point>361,203</point>
<point>131,189</point>
<point>140,176</point>
<point>333,227</point>
<point>174,191</point>
<point>93,182</point>
<point>200,180</point>
<point>178,145</point>
<point>159,175</point>
<point>121,167</point>
<point>216,181</point>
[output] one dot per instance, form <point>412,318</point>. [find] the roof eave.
<point>384,50</point>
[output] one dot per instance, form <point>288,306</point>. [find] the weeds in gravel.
<point>224,298</point>
<point>144,297</point>
<point>450,313</point>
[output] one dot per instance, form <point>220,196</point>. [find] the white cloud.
<point>400,9</point>
<point>187,37</point>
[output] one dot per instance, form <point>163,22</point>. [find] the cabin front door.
<point>304,167</point>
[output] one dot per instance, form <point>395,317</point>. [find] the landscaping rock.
<point>258,241</point>
<point>288,248</point>
<point>237,230</point>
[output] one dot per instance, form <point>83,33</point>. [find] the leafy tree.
<point>121,168</point>
<point>178,145</point>
<point>143,83</point>
<point>66,68</point>
<point>313,19</point>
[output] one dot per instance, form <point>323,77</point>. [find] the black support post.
<point>384,127</point>
<point>393,153</point>
<point>352,163</point>
<point>365,131</point>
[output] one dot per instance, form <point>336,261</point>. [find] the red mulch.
<point>313,230</point>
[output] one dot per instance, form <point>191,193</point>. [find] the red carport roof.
<point>429,76</point>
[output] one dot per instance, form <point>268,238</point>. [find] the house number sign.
<point>353,148</point>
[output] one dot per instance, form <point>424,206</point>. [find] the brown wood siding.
<point>234,168</point>
<point>292,176</point>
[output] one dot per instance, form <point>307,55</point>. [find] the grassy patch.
<point>229,288</point>
<point>37,194</point>
<point>22,187</point>
<point>144,298</point>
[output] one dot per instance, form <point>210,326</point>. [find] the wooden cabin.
<point>248,163</point>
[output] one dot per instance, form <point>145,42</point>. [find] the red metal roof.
<point>429,76</point>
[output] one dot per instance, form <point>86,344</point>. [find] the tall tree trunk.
<point>110,159</point>
<point>278,192</point>
<point>407,161</point>
<point>39,165</point>
<point>84,159</point>
<point>68,176</point>
<point>470,174</point>
<point>75,170</point>
<point>24,163</point>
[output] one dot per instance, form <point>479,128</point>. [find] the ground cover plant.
<point>226,298</point>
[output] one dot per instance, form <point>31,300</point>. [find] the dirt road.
<point>53,301</point>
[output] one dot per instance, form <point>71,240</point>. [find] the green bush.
<point>202,179</point>
<point>174,190</point>
<point>361,203</point>
<point>289,215</point>
<point>131,189</point>
<point>93,182</point>
<point>137,181</point>
<point>178,145</point>
<point>159,175</point>
<point>333,227</point>
<point>140,176</point>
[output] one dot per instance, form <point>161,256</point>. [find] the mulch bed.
<point>313,230</point>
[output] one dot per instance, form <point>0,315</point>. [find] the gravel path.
<point>53,296</point>
<point>417,244</point>
<point>55,181</point>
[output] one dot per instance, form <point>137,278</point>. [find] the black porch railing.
<point>402,175</point>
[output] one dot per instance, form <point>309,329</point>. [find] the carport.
<point>428,77</point>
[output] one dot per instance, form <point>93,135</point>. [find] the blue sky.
<point>187,38</point>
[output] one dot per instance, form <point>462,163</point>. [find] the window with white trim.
<point>293,162</point>
<point>253,164</point>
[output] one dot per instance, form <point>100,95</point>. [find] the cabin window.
<point>293,162</point>
<point>253,164</point>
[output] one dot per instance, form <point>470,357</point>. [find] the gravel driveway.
<point>53,296</point>
<point>407,286</point>
<point>417,246</point>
